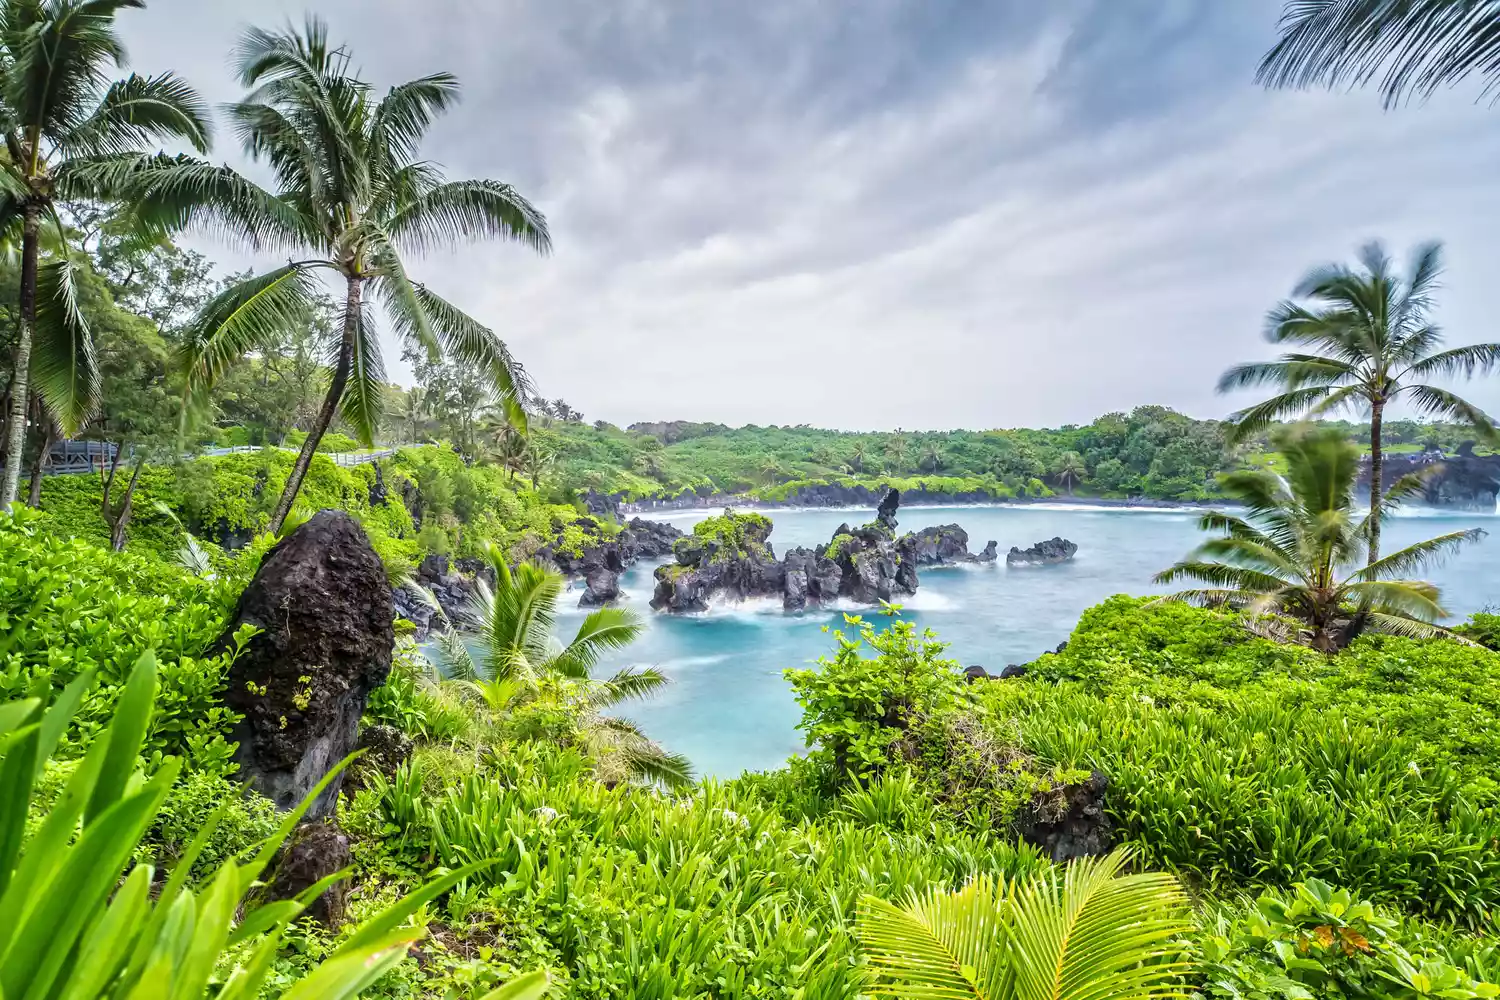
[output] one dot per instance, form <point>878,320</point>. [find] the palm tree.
<point>933,457</point>
<point>539,462</point>
<point>353,196</point>
<point>898,451</point>
<point>1069,470</point>
<point>859,456</point>
<point>1414,46</point>
<point>67,131</point>
<point>510,654</point>
<point>1365,341</point>
<point>1298,550</point>
<point>1083,931</point>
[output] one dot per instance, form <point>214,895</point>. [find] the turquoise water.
<point>729,708</point>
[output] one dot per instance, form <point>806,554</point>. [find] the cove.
<point>730,709</point>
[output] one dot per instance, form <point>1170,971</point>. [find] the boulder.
<point>603,588</point>
<point>1047,553</point>
<point>975,672</point>
<point>1011,670</point>
<point>1068,822</point>
<point>312,853</point>
<point>323,607</point>
<point>385,749</point>
<point>991,552</point>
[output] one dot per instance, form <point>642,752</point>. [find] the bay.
<point>729,707</point>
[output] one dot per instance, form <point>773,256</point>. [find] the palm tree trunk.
<point>15,428</point>
<point>39,460</point>
<point>119,520</point>
<point>1377,461</point>
<point>330,406</point>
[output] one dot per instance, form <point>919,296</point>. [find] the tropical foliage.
<point>1299,550</point>
<point>1408,49</point>
<point>508,654</point>
<point>67,131</point>
<point>1087,931</point>
<point>1366,342</point>
<point>352,193</point>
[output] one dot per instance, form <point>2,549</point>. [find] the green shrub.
<point>1317,941</point>
<point>74,923</point>
<point>1241,762</point>
<point>719,894</point>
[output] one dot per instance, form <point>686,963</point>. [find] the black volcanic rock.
<point>323,607</point>
<point>1464,481</point>
<point>1047,553</point>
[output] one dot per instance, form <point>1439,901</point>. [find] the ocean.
<point>730,709</point>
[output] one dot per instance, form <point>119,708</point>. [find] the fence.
<point>77,457</point>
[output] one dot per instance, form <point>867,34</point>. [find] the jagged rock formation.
<point>1464,480</point>
<point>731,558</point>
<point>947,544</point>
<point>323,607</point>
<point>1048,553</point>
<point>451,582</point>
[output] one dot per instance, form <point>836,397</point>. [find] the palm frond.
<point>941,945</point>
<point>648,762</point>
<point>603,630</point>
<point>1412,48</point>
<point>408,110</point>
<point>450,655</point>
<point>460,337</point>
<point>625,685</point>
<point>64,368</point>
<point>1419,555</point>
<point>139,111</point>
<point>244,316</point>
<point>463,211</point>
<point>363,401</point>
<point>58,62</point>
<point>1281,407</point>
<point>1432,401</point>
<point>1412,628</point>
<point>1460,362</point>
<point>1415,599</point>
<point>1085,931</point>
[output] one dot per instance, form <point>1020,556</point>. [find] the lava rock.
<point>1068,822</point>
<point>975,672</point>
<point>324,610</point>
<point>991,552</point>
<point>603,588</point>
<point>312,853</point>
<point>385,749</point>
<point>1011,670</point>
<point>1048,553</point>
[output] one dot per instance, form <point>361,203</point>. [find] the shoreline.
<point>720,501</point>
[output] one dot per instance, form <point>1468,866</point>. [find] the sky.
<point>870,214</point>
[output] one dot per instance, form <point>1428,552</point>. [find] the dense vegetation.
<point>1308,808</point>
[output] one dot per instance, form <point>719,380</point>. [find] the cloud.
<point>924,214</point>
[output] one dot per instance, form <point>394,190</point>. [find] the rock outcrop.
<point>1047,553</point>
<point>731,558</point>
<point>312,853</point>
<point>451,582</point>
<point>323,607</point>
<point>947,545</point>
<point>1464,480</point>
<point>1069,822</point>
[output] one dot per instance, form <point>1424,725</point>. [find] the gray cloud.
<point>897,212</point>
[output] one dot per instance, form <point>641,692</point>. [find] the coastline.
<point>717,501</point>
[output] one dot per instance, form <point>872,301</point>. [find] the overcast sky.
<point>881,213</point>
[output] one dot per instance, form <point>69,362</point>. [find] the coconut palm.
<point>898,451</point>
<point>1084,931</point>
<point>508,653</point>
<point>1364,340</point>
<point>1298,549</point>
<point>933,457</point>
<point>1413,47</point>
<point>1069,470</point>
<point>353,197</point>
<point>859,456</point>
<point>66,128</point>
